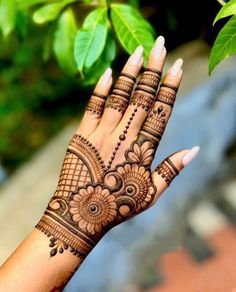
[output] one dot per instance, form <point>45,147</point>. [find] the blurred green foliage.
<point>80,32</point>
<point>37,98</point>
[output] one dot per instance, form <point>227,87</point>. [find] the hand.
<point>106,176</point>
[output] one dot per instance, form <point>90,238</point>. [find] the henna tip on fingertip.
<point>190,155</point>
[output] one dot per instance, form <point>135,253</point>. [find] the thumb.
<point>169,168</point>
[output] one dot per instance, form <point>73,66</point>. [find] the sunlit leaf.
<point>50,12</point>
<point>227,10</point>
<point>7,16</point>
<point>108,55</point>
<point>131,28</point>
<point>90,40</point>
<point>225,44</point>
<point>28,3</point>
<point>64,41</point>
<point>21,25</point>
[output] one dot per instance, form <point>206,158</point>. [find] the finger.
<point>145,91</point>
<point>156,121</point>
<point>119,99</point>
<point>96,104</point>
<point>169,168</point>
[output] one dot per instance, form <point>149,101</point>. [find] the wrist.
<point>63,236</point>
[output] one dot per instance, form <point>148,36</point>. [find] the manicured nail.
<point>174,70</point>
<point>136,57</point>
<point>190,155</point>
<point>106,76</point>
<point>159,46</point>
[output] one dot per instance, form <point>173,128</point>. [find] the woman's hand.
<point>106,176</point>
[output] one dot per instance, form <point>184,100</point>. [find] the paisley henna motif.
<point>86,205</point>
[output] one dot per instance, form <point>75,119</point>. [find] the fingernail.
<point>190,155</point>
<point>159,46</point>
<point>174,70</point>
<point>106,75</point>
<point>136,57</point>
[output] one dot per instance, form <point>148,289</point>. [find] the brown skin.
<point>31,267</point>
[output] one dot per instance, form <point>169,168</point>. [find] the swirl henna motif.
<point>91,199</point>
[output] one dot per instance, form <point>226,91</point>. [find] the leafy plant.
<point>81,33</point>
<point>225,43</point>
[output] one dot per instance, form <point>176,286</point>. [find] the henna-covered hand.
<point>106,176</point>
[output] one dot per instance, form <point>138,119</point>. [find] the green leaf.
<point>134,3</point>
<point>28,3</point>
<point>131,28</point>
<point>225,44</point>
<point>108,55</point>
<point>90,40</point>
<point>227,10</point>
<point>50,12</point>
<point>7,16</point>
<point>21,25</point>
<point>64,41</point>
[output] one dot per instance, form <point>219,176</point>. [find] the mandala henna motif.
<point>86,205</point>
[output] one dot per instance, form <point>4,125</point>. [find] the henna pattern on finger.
<point>166,97</point>
<point>145,91</point>
<point>119,99</point>
<point>78,216</point>
<point>155,124</point>
<point>96,105</point>
<point>167,171</point>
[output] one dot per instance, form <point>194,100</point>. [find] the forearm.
<point>30,267</point>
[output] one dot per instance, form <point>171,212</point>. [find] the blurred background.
<point>187,241</point>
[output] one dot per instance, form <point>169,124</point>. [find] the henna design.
<point>117,102</point>
<point>170,86</point>
<point>166,97</point>
<point>96,105</point>
<point>155,124</point>
<point>119,99</point>
<point>86,205</point>
<point>142,100</point>
<point>121,138</point>
<point>148,83</point>
<point>167,171</point>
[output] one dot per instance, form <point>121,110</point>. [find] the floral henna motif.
<point>92,208</point>
<point>83,210</point>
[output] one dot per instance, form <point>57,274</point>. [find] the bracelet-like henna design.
<point>148,83</point>
<point>119,99</point>
<point>91,199</point>
<point>96,104</point>
<point>166,97</point>
<point>167,171</point>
